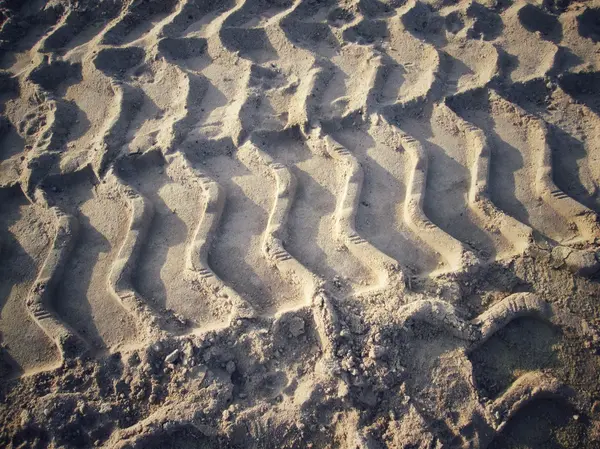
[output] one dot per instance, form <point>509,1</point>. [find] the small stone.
<point>25,418</point>
<point>230,367</point>
<point>576,417</point>
<point>377,352</point>
<point>583,263</point>
<point>172,357</point>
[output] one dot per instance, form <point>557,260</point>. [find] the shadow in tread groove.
<point>136,20</point>
<point>25,238</point>
<point>236,255</point>
<point>570,136</point>
<point>448,182</point>
<point>379,211</point>
<point>160,275</point>
<point>506,159</point>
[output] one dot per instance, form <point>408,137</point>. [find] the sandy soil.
<point>353,224</point>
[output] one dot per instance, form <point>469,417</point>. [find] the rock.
<point>377,352</point>
<point>584,263</point>
<point>230,367</point>
<point>581,262</point>
<point>172,357</point>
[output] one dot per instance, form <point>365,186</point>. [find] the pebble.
<point>172,357</point>
<point>377,352</point>
<point>230,367</point>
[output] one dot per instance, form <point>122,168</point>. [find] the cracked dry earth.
<point>297,223</point>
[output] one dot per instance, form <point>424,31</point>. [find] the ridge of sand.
<point>354,223</point>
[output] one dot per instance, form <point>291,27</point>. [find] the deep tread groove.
<point>387,268</point>
<point>457,255</point>
<point>519,234</point>
<point>120,278</point>
<point>199,248</point>
<point>40,298</point>
<point>275,234</point>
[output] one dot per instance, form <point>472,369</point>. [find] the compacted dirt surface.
<point>353,224</point>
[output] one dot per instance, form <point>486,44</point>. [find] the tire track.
<point>78,26</point>
<point>239,240</point>
<point>27,233</point>
<point>584,219</point>
<point>525,62</point>
<point>84,293</point>
<point>354,70</point>
<point>458,257</point>
<point>39,302</point>
<point>312,216</point>
<point>572,134</point>
<point>135,20</point>
<point>513,168</point>
<point>518,234</point>
<point>235,114</point>
<point>199,248</point>
<point>162,276</point>
<point>385,84</point>
<point>576,214</point>
<point>419,61</point>
<point>581,54</point>
<point>125,106</point>
<point>275,235</point>
<point>305,109</point>
<point>189,12</point>
<point>243,31</point>
<point>11,143</point>
<point>380,211</point>
<point>386,268</point>
<point>120,279</point>
<point>54,116</point>
<point>446,201</point>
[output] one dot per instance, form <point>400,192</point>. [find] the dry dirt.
<point>353,224</point>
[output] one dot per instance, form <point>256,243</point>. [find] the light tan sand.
<point>277,223</point>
